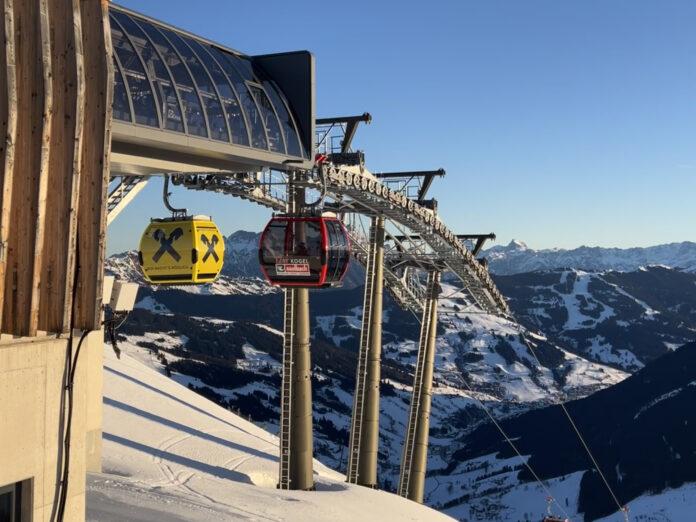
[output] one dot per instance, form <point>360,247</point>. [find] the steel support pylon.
<point>123,194</point>
<point>364,432</point>
<point>415,453</point>
<point>296,441</point>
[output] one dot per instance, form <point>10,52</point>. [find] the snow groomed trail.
<point>170,454</point>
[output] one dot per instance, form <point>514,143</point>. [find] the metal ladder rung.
<point>286,392</point>
<point>361,370</point>
<point>409,442</point>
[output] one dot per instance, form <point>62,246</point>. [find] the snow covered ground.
<point>170,454</point>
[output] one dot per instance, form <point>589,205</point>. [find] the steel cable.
<point>624,509</point>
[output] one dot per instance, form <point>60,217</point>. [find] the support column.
<point>301,443</point>
<point>296,440</point>
<point>364,433</point>
<point>415,453</point>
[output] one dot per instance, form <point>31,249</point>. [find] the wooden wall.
<point>56,91</point>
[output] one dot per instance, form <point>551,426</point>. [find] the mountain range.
<point>588,330</point>
<point>517,258</point>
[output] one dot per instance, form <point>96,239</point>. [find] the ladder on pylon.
<point>122,194</point>
<point>361,372</point>
<point>286,389</point>
<point>413,414</point>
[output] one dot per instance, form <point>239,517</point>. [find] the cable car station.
<point>146,99</point>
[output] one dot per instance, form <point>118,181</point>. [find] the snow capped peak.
<point>516,244</point>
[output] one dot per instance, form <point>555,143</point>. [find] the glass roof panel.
<point>172,80</point>
<point>253,116</point>
<point>292,139</point>
<point>169,104</point>
<point>195,120</point>
<point>275,137</point>
<point>286,103</point>
<point>171,59</point>
<point>213,109</point>
<point>135,79</point>
<point>243,65</point>
<point>121,106</point>
<point>235,117</point>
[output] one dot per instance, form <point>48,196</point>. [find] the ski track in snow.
<point>170,454</point>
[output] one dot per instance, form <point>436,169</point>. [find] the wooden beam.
<point>26,222</point>
<point>58,270</point>
<point>96,148</point>
<point>8,128</point>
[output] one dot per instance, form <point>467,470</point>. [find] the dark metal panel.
<point>294,74</point>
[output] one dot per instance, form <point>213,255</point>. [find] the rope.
<point>514,448</point>
<point>624,509</point>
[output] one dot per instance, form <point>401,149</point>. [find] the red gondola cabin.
<point>309,252</point>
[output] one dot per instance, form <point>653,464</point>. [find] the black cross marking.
<point>166,243</point>
<point>210,244</point>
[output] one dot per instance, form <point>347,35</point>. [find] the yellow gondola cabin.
<point>178,251</point>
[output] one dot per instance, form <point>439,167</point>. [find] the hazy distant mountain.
<point>516,258</point>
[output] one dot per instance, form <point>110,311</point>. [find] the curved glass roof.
<point>167,79</point>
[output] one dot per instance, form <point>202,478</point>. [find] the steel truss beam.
<point>427,175</point>
<point>351,125</point>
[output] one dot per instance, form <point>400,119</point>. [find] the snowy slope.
<point>170,454</point>
<point>478,358</point>
<point>641,432</point>
<point>622,319</point>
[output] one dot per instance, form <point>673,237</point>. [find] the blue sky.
<point>559,123</point>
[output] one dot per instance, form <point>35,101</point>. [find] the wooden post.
<point>30,168</point>
<point>96,148</point>
<point>8,128</point>
<point>57,274</point>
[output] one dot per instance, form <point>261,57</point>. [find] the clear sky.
<point>559,123</point>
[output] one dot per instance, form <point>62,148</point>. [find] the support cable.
<point>514,448</point>
<point>68,389</point>
<point>623,509</point>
